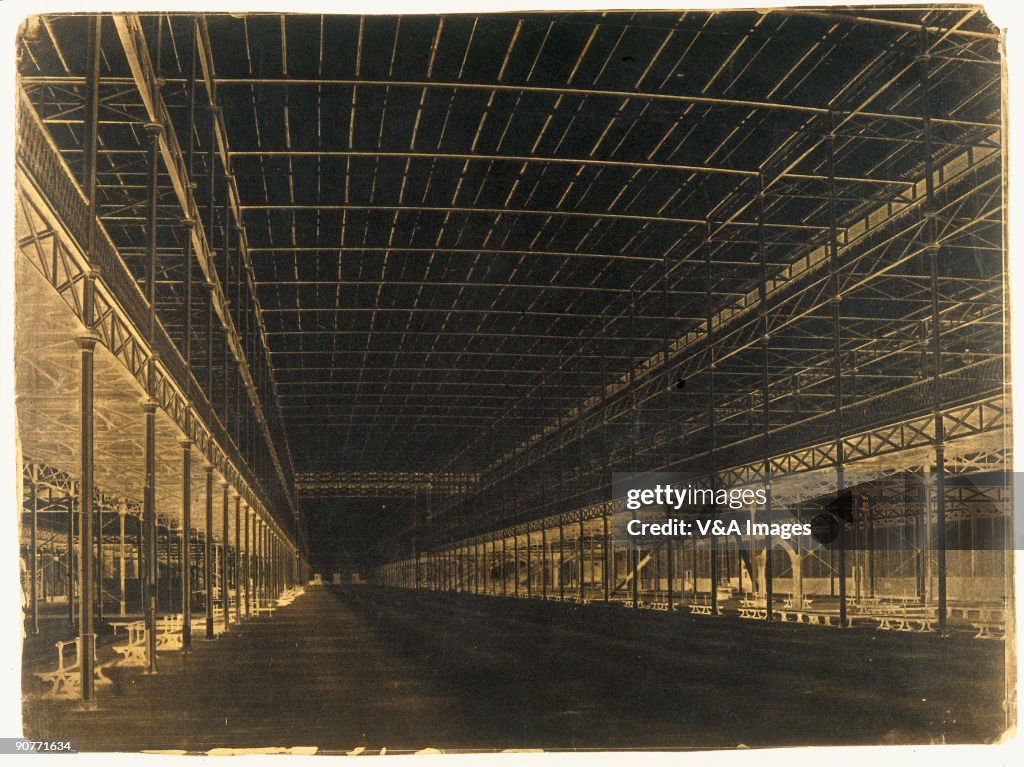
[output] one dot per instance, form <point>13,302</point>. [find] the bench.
<point>658,605</point>
<point>989,629</point>
<point>897,618</point>
<point>988,621</point>
<point>168,633</point>
<point>133,653</point>
<point>66,680</point>
<point>976,612</point>
<point>790,603</point>
<point>811,618</point>
<point>700,609</point>
<point>289,596</point>
<point>754,613</point>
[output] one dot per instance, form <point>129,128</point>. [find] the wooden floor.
<point>365,667</point>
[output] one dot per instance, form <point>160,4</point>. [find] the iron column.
<point>237,560</point>
<point>186,546</point>
<point>149,580</point>
<point>224,585</point>
<point>208,553</point>
<point>87,344</point>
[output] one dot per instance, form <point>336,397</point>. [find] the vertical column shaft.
<point>712,435</point>
<point>154,131</point>
<point>262,558</point>
<point>99,561</point>
<point>529,565</point>
<point>225,586</point>
<point>515,554</point>
<point>605,564</point>
<point>208,553</point>
<point>257,537</point>
<point>34,554</point>
<point>670,575</point>
<point>931,234</point>
<point>561,560</point>
<point>85,604</point>
<point>765,404</point>
<point>248,565</point>
<point>837,369</point>
<point>579,554</point>
<point>544,561</point>
<point>167,552</point>
<point>122,569</point>
<point>272,562</point>
<point>238,558</point>
<point>186,546</point>
<point>149,581</point>
<point>72,615</point>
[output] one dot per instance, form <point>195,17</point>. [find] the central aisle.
<point>314,674</point>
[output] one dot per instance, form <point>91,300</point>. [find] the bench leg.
<point>102,680</point>
<point>63,684</point>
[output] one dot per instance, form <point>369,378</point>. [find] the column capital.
<point>87,340</point>
<point>149,405</point>
<point>186,444</point>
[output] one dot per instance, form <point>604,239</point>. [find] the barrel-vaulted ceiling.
<point>457,229</point>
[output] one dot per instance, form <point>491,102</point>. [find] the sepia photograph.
<point>501,380</point>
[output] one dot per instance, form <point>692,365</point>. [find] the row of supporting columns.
<point>264,570</point>
<point>49,571</point>
<point>261,567</point>
<point>591,566</point>
<point>257,569</point>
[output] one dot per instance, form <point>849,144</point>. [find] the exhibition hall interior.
<point>499,381</point>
